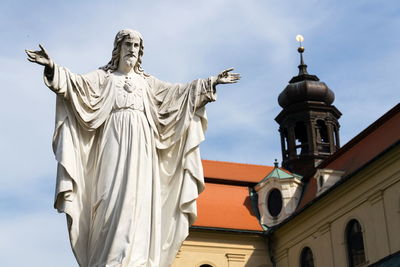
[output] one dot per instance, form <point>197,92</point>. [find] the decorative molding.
<point>281,254</point>
<point>375,197</point>
<point>325,228</point>
<point>234,257</point>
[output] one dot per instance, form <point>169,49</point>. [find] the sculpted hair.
<point>113,64</point>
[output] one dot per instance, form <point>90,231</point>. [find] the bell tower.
<point>308,122</point>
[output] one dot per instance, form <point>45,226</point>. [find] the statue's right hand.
<point>40,57</point>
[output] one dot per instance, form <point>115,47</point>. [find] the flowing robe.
<point>129,168</point>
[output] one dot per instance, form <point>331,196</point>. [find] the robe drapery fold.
<point>128,176</point>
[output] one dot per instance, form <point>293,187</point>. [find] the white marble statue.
<point>127,146</point>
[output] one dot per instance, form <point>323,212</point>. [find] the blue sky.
<point>353,46</point>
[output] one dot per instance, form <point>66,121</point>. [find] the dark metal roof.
<point>305,87</point>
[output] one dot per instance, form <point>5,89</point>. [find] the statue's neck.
<point>126,72</point>
<point>125,69</point>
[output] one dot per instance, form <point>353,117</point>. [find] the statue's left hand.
<point>40,57</point>
<point>227,77</point>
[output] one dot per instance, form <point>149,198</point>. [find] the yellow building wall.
<point>372,197</point>
<point>223,249</point>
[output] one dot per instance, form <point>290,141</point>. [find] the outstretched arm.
<point>41,57</point>
<point>56,77</point>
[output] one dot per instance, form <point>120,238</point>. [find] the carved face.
<point>130,47</point>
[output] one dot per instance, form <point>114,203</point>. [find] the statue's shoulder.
<point>147,76</point>
<point>97,72</point>
<point>150,79</point>
<point>96,76</point>
<point>102,75</point>
<point>102,72</point>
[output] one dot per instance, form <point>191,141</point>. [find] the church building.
<point>326,206</point>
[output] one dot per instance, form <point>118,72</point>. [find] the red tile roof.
<point>310,192</point>
<point>225,202</point>
<point>226,206</point>
<point>235,171</point>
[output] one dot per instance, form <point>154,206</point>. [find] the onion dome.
<point>305,87</point>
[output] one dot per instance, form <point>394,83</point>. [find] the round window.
<point>274,202</point>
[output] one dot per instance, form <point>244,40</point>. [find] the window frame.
<point>350,255</point>
<point>267,201</point>
<point>302,254</point>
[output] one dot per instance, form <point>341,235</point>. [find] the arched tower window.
<point>322,136</point>
<point>284,142</point>
<point>300,133</point>
<point>206,265</point>
<point>355,244</point>
<point>336,137</point>
<point>306,258</point>
<point>322,131</point>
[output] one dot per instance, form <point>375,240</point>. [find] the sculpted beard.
<point>130,60</point>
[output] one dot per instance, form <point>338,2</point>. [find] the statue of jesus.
<point>127,146</point>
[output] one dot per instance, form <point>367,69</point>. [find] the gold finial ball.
<point>300,49</point>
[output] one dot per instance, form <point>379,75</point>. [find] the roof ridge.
<point>361,136</point>
<point>277,169</point>
<point>235,163</point>
<point>289,172</point>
